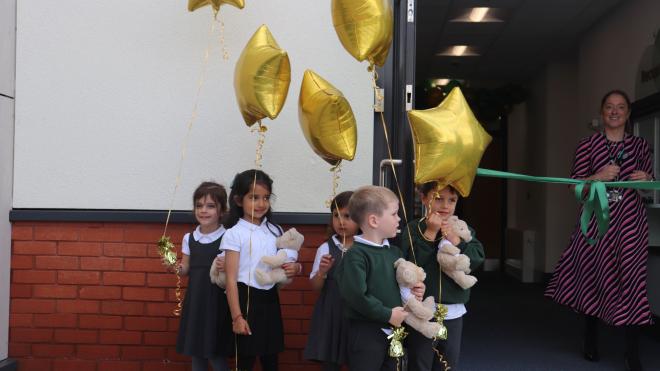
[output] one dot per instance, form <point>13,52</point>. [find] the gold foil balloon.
<point>364,28</point>
<point>449,143</point>
<point>326,119</point>
<point>262,77</point>
<point>196,4</point>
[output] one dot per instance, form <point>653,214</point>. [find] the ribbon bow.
<point>396,339</point>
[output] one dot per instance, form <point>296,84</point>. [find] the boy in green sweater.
<point>367,280</point>
<point>427,233</point>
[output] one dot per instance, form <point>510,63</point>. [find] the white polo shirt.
<point>252,242</point>
<point>201,238</point>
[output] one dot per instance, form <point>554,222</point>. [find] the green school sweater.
<point>367,282</point>
<point>425,253</point>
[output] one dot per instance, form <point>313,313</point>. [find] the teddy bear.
<point>291,240</point>
<point>452,263</point>
<point>217,277</point>
<point>407,275</point>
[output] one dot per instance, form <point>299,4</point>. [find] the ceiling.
<point>531,32</point>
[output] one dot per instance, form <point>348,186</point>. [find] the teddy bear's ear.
<point>398,262</point>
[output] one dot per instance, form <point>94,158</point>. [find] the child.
<point>367,280</point>
<point>205,305</point>
<point>327,336</point>
<point>255,309</point>
<point>427,235</point>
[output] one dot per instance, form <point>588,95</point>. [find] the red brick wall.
<point>94,296</point>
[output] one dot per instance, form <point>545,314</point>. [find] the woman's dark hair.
<point>241,186</point>
<point>339,202</point>
<point>425,188</point>
<point>622,93</point>
<point>214,190</point>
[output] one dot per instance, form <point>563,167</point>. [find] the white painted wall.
<point>104,91</point>
<point>7,58</point>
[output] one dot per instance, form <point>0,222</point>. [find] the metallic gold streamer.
<point>261,130</point>
<point>336,177</point>
<point>396,342</point>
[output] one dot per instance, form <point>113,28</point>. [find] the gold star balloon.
<point>196,4</point>
<point>364,28</point>
<point>449,143</point>
<point>326,119</point>
<point>262,77</point>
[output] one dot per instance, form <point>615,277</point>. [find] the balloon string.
<point>193,117</point>
<point>441,359</point>
<point>225,51</point>
<point>336,177</point>
<point>379,98</point>
<point>177,291</point>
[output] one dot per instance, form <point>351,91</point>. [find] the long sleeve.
<point>474,250</point>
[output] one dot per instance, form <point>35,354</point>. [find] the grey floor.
<point>511,326</point>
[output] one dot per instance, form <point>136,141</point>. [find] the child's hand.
<point>326,263</point>
<point>241,327</point>
<point>219,263</point>
<point>291,269</point>
<point>448,233</point>
<point>433,223</point>
<point>418,290</point>
<point>397,316</point>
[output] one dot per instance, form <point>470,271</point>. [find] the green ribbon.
<point>594,203</point>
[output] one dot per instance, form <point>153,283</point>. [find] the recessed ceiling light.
<point>458,50</point>
<point>478,14</point>
<point>439,82</point>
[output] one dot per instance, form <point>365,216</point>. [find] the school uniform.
<point>367,283</point>
<point>205,310</point>
<point>263,315</point>
<point>327,338</point>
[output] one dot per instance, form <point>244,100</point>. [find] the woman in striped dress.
<point>607,281</point>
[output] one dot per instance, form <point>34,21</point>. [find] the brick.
<point>32,306</point>
<point>122,308</point>
<point>62,232</point>
<point>22,232</point>
<point>30,335</point>
<point>76,336</point>
<point>299,283</point>
<point>295,341</point>
<point>119,365</point>
<point>289,356</point>
<point>290,297</point>
<point>163,366</point>
<point>143,294</point>
<point>306,255</point>
<point>52,350</point>
<point>34,248</point>
<point>55,291</point>
<point>33,276</point>
<point>310,297</point>
<point>124,278</point>
<point>93,321</point>
<point>56,262</point>
<point>173,356</point>
<point>161,280</point>
<point>102,233</point>
<point>100,292</point>
<point>59,320</point>
<point>78,278</point>
<point>17,350</point>
<point>143,234</point>
<point>171,294</point>
<point>142,352</point>
<point>78,306</point>
<point>306,324</point>
<point>79,248</point>
<point>145,323</point>
<point>21,262</point>
<point>73,364</point>
<point>20,291</point>
<point>173,324</point>
<point>101,264</point>
<point>120,337</point>
<point>160,309</point>
<point>98,352</point>
<point>160,338</point>
<point>143,265</point>
<point>133,250</point>
<point>34,364</point>
<point>297,311</point>
<point>292,326</point>
<point>20,320</point>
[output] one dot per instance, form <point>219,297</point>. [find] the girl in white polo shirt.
<point>255,308</point>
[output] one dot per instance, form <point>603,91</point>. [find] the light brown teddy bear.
<point>452,263</point>
<point>291,240</point>
<point>407,275</point>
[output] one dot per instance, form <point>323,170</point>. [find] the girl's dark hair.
<point>214,190</point>
<point>339,202</point>
<point>622,93</point>
<point>425,188</point>
<point>241,186</point>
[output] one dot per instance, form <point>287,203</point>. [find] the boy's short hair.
<point>369,200</point>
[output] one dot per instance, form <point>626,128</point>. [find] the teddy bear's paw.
<point>276,260</point>
<point>462,263</point>
<point>278,275</point>
<point>467,281</point>
<point>418,309</point>
<point>429,303</point>
<point>262,277</point>
<point>430,329</point>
